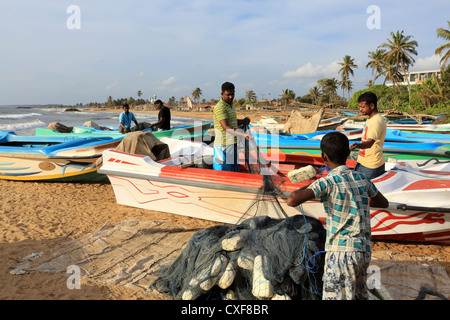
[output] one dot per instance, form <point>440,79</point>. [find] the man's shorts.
<point>226,159</point>
<point>345,276</point>
<point>370,173</point>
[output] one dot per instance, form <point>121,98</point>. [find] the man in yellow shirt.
<point>226,131</point>
<point>370,158</point>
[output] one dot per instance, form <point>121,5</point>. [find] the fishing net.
<point>260,258</point>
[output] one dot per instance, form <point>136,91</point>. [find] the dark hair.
<point>125,105</point>
<point>158,102</point>
<point>227,86</point>
<point>336,147</point>
<point>368,97</point>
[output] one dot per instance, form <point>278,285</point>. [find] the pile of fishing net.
<point>260,258</point>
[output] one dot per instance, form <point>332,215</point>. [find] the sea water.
<point>23,120</point>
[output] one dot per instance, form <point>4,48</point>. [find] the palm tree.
<point>376,64</point>
<point>346,84</point>
<point>347,64</point>
<point>139,93</point>
<point>196,94</point>
<point>329,87</point>
<point>444,34</point>
<point>399,51</point>
<point>314,93</point>
<point>250,95</point>
<point>436,90</point>
<point>287,96</point>
<point>391,73</point>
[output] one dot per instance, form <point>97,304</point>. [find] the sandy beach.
<point>38,217</point>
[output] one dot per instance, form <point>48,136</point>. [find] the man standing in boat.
<point>370,158</point>
<point>226,129</point>
<point>125,119</point>
<point>163,116</point>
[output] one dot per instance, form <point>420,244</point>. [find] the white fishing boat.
<point>419,197</point>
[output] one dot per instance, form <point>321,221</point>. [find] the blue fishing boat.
<point>397,150</point>
<point>404,136</point>
<point>39,158</point>
<point>182,132</point>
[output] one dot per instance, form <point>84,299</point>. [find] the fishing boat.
<point>405,136</point>
<point>195,132</point>
<point>324,124</point>
<point>419,209</point>
<point>354,134</point>
<point>393,151</point>
<point>392,135</point>
<point>436,128</point>
<point>408,119</point>
<point>64,159</point>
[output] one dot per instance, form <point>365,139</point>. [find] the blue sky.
<point>171,47</point>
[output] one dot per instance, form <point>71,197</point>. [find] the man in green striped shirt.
<point>226,129</point>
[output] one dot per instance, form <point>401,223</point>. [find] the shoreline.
<point>253,115</point>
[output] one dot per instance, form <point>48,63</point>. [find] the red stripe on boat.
<point>428,184</point>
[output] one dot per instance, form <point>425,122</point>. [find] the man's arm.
<point>363,145</point>
<point>379,201</point>
<point>299,196</point>
<point>234,132</point>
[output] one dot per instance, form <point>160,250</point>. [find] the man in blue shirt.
<point>125,119</point>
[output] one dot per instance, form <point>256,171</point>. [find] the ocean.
<point>23,120</point>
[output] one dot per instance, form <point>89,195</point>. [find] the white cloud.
<point>112,85</point>
<point>169,81</point>
<point>310,71</point>
<point>427,63</point>
<point>140,75</point>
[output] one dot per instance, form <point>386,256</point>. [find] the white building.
<point>417,77</point>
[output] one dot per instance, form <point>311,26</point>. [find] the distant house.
<point>417,77</point>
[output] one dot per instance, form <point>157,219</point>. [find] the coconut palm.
<point>250,95</point>
<point>391,73</point>
<point>287,96</point>
<point>347,64</point>
<point>329,87</point>
<point>346,84</point>
<point>376,63</point>
<point>444,34</point>
<point>314,93</point>
<point>399,52</point>
<point>196,94</point>
<point>139,93</point>
<point>436,90</point>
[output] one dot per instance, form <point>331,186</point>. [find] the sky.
<point>68,52</point>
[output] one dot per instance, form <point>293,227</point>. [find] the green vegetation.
<point>430,97</point>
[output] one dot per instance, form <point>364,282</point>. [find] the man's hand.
<point>353,146</point>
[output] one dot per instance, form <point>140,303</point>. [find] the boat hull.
<point>230,197</point>
<point>47,169</point>
<point>190,132</point>
<point>392,151</point>
<point>31,158</point>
